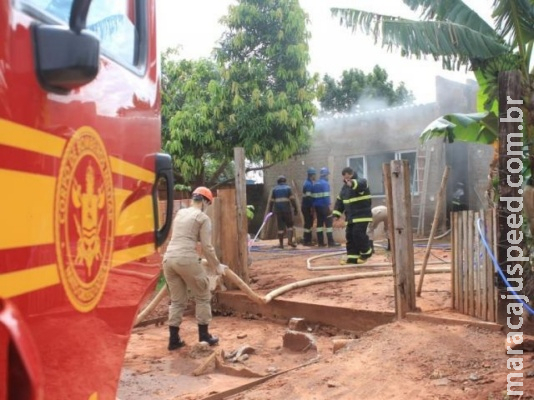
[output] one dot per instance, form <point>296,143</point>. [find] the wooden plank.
<point>490,238</point>
<point>484,270</point>
<point>402,217</point>
<point>265,233</point>
<point>478,267</point>
<point>437,212</point>
<point>463,297</point>
<point>241,221</point>
<point>454,265</point>
<point>386,175</point>
<point>493,290</point>
<point>459,272</point>
<point>340,317</point>
<point>470,265</point>
<point>228,232</point>
<point>453,321</point>
<point>215,213</point>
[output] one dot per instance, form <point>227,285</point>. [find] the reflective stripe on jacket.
<point>282,198</point>
<point>355,202</point>
<point>321,193</point>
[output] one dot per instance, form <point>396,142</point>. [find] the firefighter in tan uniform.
<point>183,269</point>
<point>380,215</point>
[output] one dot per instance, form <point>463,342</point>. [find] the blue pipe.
<point>498,268</point>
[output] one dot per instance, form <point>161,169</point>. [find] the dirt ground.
<point>400,360</point>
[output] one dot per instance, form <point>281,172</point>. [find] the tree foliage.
<point>189,125</point>
<point>265,103</point>
<point>256,94</point>
<point>357,91</point>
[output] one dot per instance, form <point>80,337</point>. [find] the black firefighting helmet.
<point>281,179</point>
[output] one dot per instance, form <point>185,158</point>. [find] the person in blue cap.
<point>307,206</point>
<point>282,203</point>
<point>321,203</point>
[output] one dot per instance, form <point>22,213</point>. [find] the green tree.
<point>359,91</point>
<point>190,130</point>
<point>265,102</point>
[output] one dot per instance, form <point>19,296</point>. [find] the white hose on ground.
<point>337,278</point>
<point>232,276</point>
<point>307,282</point>
<point>435,237</point>
<point>347,266</point>
<point>314,281</point>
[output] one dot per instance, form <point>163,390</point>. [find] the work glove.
<point>221,269</point>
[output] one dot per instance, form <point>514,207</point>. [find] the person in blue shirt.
<point>282,200</point>
<point>321,203</point>
<point>307,206</point>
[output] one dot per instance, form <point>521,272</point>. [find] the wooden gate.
<point>473,289</point>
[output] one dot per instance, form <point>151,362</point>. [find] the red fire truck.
<point>79,171</point>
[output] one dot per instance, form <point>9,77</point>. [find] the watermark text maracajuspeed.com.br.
<point>514,252</point>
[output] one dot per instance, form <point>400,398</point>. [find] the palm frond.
<point>455,44</point>
<point>515,20</point>
<point>455,11</point>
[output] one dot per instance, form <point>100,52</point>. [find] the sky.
<point>193,25</point>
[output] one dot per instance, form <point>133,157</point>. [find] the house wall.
<point>396,129</point>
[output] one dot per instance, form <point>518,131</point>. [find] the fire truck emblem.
<point>84,225</point>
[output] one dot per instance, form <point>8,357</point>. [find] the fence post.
<point>403,234</point>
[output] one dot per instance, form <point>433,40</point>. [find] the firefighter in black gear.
<point>355,201</point>
<point>282,199</point>
<point>321,203</point>
<point>307,206</point>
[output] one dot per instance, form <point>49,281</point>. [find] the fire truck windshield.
<point>110,21</point>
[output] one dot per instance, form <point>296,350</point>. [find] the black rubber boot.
<point>320,239</point>
<point>174,338</point>
<point>307,239</point>
<point>281,240</point>
<point>204,336</point>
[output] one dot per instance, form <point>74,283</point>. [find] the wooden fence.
<point>473,288</point>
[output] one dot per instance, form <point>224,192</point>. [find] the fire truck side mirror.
<point>163,172</point>
<point>66,58</point>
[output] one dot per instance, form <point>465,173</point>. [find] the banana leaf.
<point>480,128</point>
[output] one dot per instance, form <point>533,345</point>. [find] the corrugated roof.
<point>369,113</point>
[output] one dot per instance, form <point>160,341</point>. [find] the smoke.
<point>372,127</point>
<point>368,103</point>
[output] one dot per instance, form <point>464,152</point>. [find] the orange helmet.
<point>203,192</point>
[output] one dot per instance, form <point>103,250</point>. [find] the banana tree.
<point>450,31</point>
<point>454,33</point>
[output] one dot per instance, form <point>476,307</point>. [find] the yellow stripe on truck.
<point>132,254</point>
<point>23,137</point>
<point>24,205</point>
<point>27,209</point>
<point>21,282</point>
<point>26,281</point>
<point>26,138</point>
<point>130,170</point>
